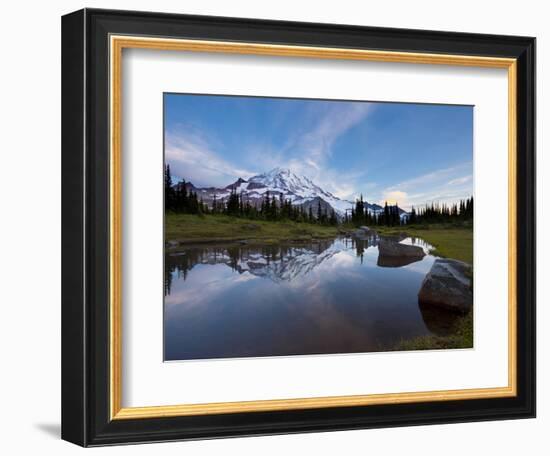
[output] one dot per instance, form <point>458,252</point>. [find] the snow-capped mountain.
<point>300,190</point>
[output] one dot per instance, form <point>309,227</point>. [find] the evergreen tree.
<point>214,205</point>
<point>168,190</point>
<point>396,218</point>
<point>333,220</point>
<point>233,203</point>
<point>273,210</point>
<point>180,203</point>
<point>264,210</point>
<point>241,205</point>
<point>203,208</point>
<point>412,217</point>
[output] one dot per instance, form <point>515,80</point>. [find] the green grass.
<point>450,242</point>
<point>187,228</point>
<point>462,336</point>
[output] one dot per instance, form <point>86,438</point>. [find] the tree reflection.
<point>278,262</point>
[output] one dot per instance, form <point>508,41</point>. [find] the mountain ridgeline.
<point>282,195</point>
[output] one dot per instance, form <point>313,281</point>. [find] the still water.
<point>336,296</point>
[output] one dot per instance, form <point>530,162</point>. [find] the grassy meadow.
<point>189,228</point>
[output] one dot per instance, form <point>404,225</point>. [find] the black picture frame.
<point>85,225</point>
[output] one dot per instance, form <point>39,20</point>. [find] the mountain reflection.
<point>278,263</point>
<point>317,297</point>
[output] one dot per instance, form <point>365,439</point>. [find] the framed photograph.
<point>279,227</point>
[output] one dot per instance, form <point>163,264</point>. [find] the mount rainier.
<point>300,190</point>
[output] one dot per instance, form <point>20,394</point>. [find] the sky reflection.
<point>327,297</point>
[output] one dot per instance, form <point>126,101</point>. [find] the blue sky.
<point>406,153</point>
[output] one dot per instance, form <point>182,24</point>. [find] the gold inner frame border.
<point>116,46</point>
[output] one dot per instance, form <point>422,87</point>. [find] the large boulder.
<point>448,285</point>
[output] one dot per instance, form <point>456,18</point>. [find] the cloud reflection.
<point>321,298</point>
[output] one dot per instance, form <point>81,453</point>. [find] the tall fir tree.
<point>168,189</point>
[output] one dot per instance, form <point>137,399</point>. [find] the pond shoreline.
<point>184,230</point>
<point>182,244</point>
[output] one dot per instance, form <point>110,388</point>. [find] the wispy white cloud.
<point>193,156</point>
<point>198,156</point>
<point>460,180</point>
<point>311,150</point>
<point>439,176</point>
<point>316,144</point>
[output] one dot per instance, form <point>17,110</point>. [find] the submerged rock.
<point>448,285</point>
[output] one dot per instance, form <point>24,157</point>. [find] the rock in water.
<point>392,254</point>
<point>448,285</point>
<point>395,261</point>
<point>390,248</point>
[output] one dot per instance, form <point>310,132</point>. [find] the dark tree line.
<point>361,215</point>
<point>178,199</point>
<point>272,208</point>
<point>463,211</point>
